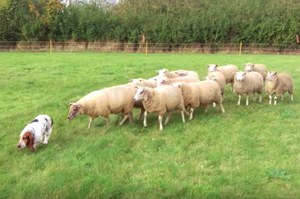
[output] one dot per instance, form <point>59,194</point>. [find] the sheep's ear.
<point>130,80</point>
<point>70,104</point>
<point>207,65</point>
<point>217,65</point>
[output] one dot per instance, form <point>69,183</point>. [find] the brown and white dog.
<point>33,133</point>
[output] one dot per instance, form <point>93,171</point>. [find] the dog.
<point>33,133</point>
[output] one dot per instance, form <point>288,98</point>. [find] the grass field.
<point>248,152</point>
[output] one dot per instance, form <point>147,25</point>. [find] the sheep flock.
<point>182,91</point>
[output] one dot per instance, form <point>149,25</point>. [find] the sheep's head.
<point>249,67</point>
<point>179,85</point>
<point>162,82</point>
<point>240,76</point>
<point>162,72</point>
<point>74,108</point>
<point>181,74</point>
<point>212,67</point>
<point>139,95</point>
<point>272,75</point>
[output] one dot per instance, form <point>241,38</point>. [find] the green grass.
<point>248,152</point>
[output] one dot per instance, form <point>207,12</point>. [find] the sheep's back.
<point>220,79</point>
<point>170,96</point>
<point>228,72</point>
<point>286,82</point>
<point>261,69</point>
<point>253,82</point>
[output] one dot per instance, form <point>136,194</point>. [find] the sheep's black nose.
<point>19,146</point>
<point>68,118</point>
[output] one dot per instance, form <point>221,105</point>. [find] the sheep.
<point>143,83</point>
<point>200,93</point>
<point>228,72</point>
<point>219,78</point>
<point>112,100</point>
<point>260,68</point>
<point>169,81</point>
<point>278,84</point>
<point>177,73</point>
<point>248,83</point>
<point>160,100</point>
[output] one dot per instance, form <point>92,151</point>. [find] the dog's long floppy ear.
<point>31,142</point>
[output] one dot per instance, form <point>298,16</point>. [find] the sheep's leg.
<point>145,118</point>
<point>167,118</point>
<point>239,101</point>
<point>292,98</point>
<point>187,112</point>
<point>191,113</point>
<point>123,120</point>
<point>270,99</point>
<point>207,107</point>
<point>140,114</point>
<point>214,104</point>
<point>247,100</point>
<point>275,100</point>
<point>222,108</point>
<point>182,116</point>
<point>90,123</point>
<point>231,86</point>
<point>106,120</point>
<point>130,117</point>
<point>160,122</point>
<point>260,97</point>
<point>282,96</point>
<point>254,97</point>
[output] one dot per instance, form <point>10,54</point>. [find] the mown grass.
<point>248,152</point>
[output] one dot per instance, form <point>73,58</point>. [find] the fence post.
<point>50,46</point>
<point>240,51</point>
<point>146,50</point>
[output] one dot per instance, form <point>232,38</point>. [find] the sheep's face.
<point>212,67</point>
<point>139,94</point>
<point>161,82</point>
<point>162,72</point>
<point>240,76</point>
<point>181,74</point>
<point>135,80</point>
<point>179,85</point>
<point>271,76</point>
<point>249,67</point>
<point>74,108</point>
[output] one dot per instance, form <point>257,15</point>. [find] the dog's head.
<point>26,140</point>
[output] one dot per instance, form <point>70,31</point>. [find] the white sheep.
<point>112,100</point>
<point>160,100</point>
<point>278,84</point>
<point>200,93</point>
<point>219,78</point>
<point>228,72</point>
<point>143,83</point>
<point>248,83</point>
<point>260,68</point>
<point>169,81</point>
<point>177,73</point>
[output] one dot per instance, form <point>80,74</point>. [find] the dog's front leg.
<point>46,139</point>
